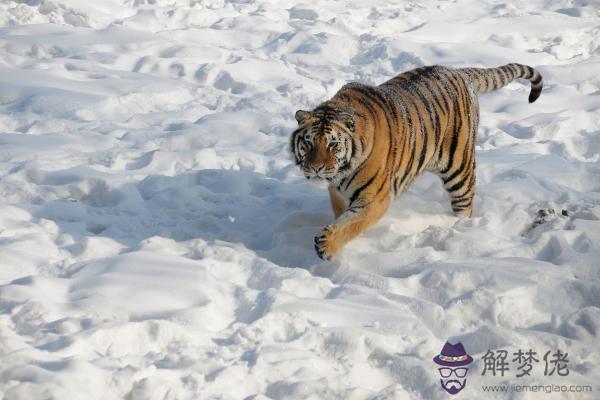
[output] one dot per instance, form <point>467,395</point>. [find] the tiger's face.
<point>322,145</point>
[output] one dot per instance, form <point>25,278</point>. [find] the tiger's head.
<point>323,145</point>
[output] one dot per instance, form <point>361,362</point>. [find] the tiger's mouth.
<point>319,181</point>
<point>321,175</point>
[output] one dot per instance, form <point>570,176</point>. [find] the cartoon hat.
<point>453,355</point>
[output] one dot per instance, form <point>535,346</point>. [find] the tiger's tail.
<point>488,79</point>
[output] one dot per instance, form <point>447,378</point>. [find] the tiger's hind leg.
<point>461,189</point>
<point>459,174</point>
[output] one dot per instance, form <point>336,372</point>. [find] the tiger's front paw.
<point>325,243</point>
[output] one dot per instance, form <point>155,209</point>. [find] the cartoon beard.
<point>453,386</point>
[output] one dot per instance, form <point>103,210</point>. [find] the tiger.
<point>367,144</point>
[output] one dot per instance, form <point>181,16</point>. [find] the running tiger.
<point>368,143</point>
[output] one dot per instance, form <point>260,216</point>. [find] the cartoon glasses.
<point>447,372</point>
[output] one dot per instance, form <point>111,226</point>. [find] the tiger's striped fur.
<point>370,142</point>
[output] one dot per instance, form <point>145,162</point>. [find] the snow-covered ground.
<point>156,240</point>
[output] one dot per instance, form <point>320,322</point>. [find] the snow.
<point>156,239</point>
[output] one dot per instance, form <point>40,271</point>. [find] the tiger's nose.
<point>319,168</point>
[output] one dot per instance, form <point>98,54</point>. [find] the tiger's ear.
<point>302,116</point>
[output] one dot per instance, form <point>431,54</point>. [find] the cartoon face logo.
<point>452,360</point>
<point>453,379</point>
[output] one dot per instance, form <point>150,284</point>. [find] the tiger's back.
<point>423,119</point>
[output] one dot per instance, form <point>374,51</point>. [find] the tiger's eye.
<point>349,124</point>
